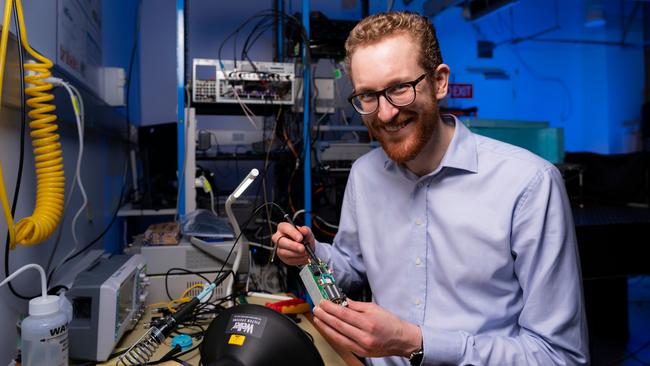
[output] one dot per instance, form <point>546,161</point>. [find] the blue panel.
<point>545,142</point>
<point>593,91</point>
<point>306,136</point>
<point>180,109</point>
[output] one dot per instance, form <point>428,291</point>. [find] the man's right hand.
<point>288,241</point>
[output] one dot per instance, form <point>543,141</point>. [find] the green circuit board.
<point>321,285</point>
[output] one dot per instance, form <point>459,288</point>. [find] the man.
<point>467,243</point>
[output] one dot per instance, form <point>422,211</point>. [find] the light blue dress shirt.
<point>481,254</point>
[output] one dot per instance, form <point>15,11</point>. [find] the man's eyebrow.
<point>362,91</point>
<point>391,82</point>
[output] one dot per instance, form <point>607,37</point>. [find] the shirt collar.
<point>461,152</point>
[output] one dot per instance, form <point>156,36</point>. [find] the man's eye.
<point>399,89</point>
<point>366,97</point>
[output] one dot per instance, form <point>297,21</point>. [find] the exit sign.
<point>461,91</point>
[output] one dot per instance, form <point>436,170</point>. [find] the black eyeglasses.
<point>399,95</point>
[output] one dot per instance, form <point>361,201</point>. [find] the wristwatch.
<point>416,357</point>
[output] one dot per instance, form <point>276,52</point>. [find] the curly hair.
<point>378,26</point>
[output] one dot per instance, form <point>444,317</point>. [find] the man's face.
<point>403,132</point>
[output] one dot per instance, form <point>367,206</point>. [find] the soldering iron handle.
<point>185,311</point>
<point>310,251</point>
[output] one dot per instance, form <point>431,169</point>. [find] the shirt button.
<point>418,261</point>
<point>418,222</point>
<point>417,302</point>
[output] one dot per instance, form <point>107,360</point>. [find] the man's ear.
<point>442,81</point>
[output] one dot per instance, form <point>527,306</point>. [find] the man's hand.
<point>367,329</point>
<point>289,246</point>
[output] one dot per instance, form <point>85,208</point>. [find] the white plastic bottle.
<point>44,334</point>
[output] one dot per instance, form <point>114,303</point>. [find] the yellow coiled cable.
<point>47,148</point>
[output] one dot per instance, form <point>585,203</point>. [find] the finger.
<point>342,326</point>
<point>306,232</point>
<point>289,254</point>
<point>288,244</point>
<point>349,315</point>
<point>291,258</point>
<point>337,337</point>
<point>290,231</point>
<point>308,236</point>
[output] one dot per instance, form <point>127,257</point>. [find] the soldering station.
<point>169,140</point>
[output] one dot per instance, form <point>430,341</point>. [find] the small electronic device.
<point>320,284</point>
<point>318,279</point>
<point>227,81</point>
<point>107,299</point>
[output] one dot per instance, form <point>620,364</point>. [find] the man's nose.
<point>386,111</point>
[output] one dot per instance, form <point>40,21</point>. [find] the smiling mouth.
<point>396,127</point>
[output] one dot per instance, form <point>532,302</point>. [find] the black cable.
<point>184,363</point>
<point>235,32</point>
<point>128,90</point>
<point>21,159</point>
<point>193,305</point>
<point>101,235</point>
<point>134,48</point>
<point>161,360</point>
<point>267,13</point>
<point>170,354</point>
<point>55,290</point>
<point>118,353</point>
<point>261,27</point>
<point>195,334</point>
<point>127,152</point>
<point>187,271</point>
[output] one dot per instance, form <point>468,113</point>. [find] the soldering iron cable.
<point>48,156</point>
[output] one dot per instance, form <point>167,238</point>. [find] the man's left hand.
<point>367,330</point>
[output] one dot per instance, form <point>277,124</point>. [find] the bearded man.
<point>467,243</point>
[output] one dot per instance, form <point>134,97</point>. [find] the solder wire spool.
<point>48,156</point>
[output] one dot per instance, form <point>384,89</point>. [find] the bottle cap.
<point>44,305</point>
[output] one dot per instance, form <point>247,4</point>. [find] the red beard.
<point>404,149</point>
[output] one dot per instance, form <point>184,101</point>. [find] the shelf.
<point>129,210</point>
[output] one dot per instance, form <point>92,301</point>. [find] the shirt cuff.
<point>441,346</point>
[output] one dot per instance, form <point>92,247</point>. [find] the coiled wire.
<point>48,160</point>
<point>48,156</point>
<point>142,351</point>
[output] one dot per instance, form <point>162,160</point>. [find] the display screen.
<point>125,299</point>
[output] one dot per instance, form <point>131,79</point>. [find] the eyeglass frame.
<point>377,93</point>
